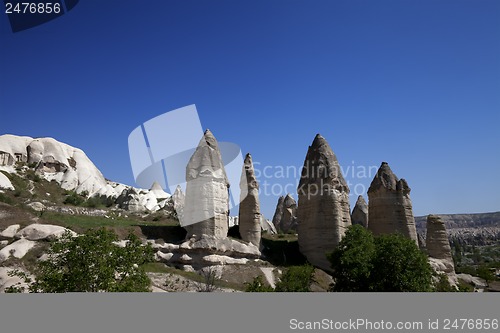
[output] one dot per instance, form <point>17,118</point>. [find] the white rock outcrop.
<point>18,249</point>
<point>53,160</point>
<point>37,232</point>
<point>72,170</point>
<point>7,281</point>
<point>10,231</point>
<point>5,182</point>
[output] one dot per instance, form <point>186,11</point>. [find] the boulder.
<point>5,182</point>
<point>323,211</point>
<point>7,281</point>
<point>37,232</point>
<point>360,212</point>
<point>249,214</point>
<point>37,206</point>
<point>437,243</point>
<point>206,207</point>
<point>475,281</point>
<point>389,205</point>
<point>17,249</point>
<point>10,231</point>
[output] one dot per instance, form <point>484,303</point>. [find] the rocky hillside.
<point>47,159</point>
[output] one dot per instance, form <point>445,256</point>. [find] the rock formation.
<point>199,252</point>
<point>289,220</point>
<point>37,232</point>
<point>360,213</point>
<point>437,243</point>
<point>53,160</point>
<point>206,207</point>
<point>267,225</point>
<point>285,216</point>
<point>72,170</point>
<point>249,216</point>
<point>278,213</point>
<point>323,211</point>
<point>421,241</point>
<point>389,205</point>
<point>179,199</point>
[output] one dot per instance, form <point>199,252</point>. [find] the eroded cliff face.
<point>323,211</point>
<point>206,206</point>
<point>249,215</point>
<point>389,205</point>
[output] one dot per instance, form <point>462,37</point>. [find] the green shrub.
<point>74,199</point>
<point>257,286</point>
<point>296,279</point>
<point>91,263</point>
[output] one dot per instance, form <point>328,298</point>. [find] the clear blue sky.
<point>413,83</point>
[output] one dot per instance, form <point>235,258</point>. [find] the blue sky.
<point>413,83</point>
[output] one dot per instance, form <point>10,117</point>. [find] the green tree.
<point>399,265</point>
<point>385,263</point>
<point>92,263</point>
<point>353,260</point>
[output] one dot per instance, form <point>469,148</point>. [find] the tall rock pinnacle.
<point>389,205</point>
<point>323,211</point>
<point>249,215</point>
<point>360,213</point>
<point>437,243</point>
<point>206,207</point>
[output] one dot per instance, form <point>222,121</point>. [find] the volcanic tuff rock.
<point>54,160</point>
<point>72,170</point>
<point>289,220</point>
<point>18,249</point>
<point>5,182</point>
<point>437,243</point>
<point>285,216</point>
<point>207,251</point>
<point>179,199</point>
<point>36,232</point>
<point>323,211</point>
<point>360,213</point>
<point>249,215</point>
<point>206,207</point>
<point>278,213</point>
<point>389,205</point>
